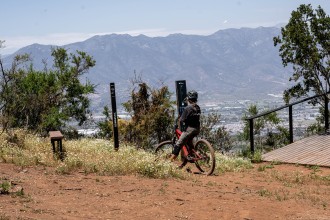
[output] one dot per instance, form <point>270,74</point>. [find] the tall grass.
<point>98,156</point>
<point>88,155</point>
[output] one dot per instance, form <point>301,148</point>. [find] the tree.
<point>105,126</point>
<point>216,134</point>
<point>152,115</point>
<point>305,44</point>
<point>45,100</point>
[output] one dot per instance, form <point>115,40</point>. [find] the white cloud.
<point>14,43</point>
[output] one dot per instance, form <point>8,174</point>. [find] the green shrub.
<point>5,187</point>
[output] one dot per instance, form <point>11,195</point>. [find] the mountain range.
<point>226,65</point>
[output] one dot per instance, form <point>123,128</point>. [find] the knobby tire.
<point>205,149</point>
<point>164,151</point>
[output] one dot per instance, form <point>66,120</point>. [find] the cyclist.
<point>190,119</point>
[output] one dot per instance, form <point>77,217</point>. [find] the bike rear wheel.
<point>164,149</point>
<point>206,164</point>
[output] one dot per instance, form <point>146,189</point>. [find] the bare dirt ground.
<point>276,192</point>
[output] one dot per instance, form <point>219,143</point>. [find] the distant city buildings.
<point>232,112</point>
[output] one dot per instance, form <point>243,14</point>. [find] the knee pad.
<point>176,150</point>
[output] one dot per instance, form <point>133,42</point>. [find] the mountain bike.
<point>201,153</point>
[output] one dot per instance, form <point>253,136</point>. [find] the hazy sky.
<point>59,22</point>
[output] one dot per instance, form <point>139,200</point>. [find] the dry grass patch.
<point>310,187</point>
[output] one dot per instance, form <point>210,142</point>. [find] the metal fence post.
<point>251,135</point>
<point>290,124</point>
<point>326,113</point>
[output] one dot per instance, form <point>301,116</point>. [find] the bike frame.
<point>186,150</point>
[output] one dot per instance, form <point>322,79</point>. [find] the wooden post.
<point>114,115</point>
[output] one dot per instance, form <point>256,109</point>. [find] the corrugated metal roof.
<point>314,150</point>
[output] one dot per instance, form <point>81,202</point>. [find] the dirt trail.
<point>273,193</point>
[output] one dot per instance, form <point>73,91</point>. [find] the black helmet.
<point>192,95</point>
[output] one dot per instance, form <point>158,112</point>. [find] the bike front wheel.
<point>206,157</point>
